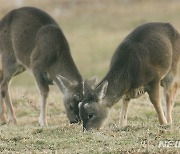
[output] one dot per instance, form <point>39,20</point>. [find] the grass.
<point>93,29</point>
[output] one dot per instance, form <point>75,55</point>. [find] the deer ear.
<point>102,89</point>
<point>79,105</point>
<point>65,82</point>
<point>90,83</point>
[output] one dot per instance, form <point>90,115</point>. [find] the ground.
<point>93,28</point>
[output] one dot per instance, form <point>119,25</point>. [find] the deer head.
<point>93,109</point>
<point>73,95</point>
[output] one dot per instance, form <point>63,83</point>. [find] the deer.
<point>146,60</point>
<point>30,39</point>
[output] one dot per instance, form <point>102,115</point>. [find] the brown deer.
<point>30,39</point>
<point>147,58</point>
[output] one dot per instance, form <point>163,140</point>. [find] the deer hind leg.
<point>8,73</point>
<point>123,113</point>
<point>154,95</point>
<point>2,112</point>
<point>169,94</point>
<point>2,105</point>
<point>44,90</point>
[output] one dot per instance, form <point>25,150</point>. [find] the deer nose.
<point>84,129</point>
<point>74,121</point>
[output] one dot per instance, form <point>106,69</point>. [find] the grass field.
<point>93,28</point>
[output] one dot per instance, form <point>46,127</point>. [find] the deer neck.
<point>66,67</point>
<point>118,85</point>
<point>70,71</point>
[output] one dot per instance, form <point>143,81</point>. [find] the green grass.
<point>93,29</point>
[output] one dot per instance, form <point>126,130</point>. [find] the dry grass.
<point>94,28</point>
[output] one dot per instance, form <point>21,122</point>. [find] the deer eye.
<point>90,115</point>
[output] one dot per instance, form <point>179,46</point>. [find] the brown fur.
<point>146,59</point>
<point>31,39</point>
